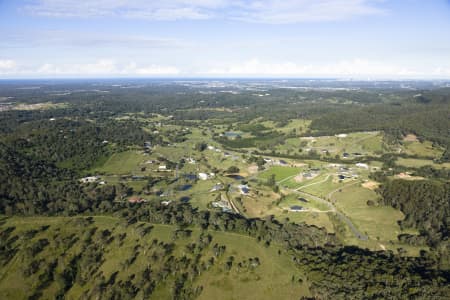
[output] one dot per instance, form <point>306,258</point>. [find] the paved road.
<point>314,183</point>
<point>340,215</point>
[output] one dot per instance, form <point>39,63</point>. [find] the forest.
<point>45,152</point>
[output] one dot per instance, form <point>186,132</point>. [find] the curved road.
<point>340,215</point>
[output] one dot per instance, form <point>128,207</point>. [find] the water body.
<point>185,199</point>
<point>191,176</point>
<point>185,187</point>
<point>236,177</point>
<point>231,134</point>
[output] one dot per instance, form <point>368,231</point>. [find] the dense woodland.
<point>41,162</point>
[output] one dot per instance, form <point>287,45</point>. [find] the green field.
<point>270,279</point>
<point>280,173</point>
<point>378,222</point>
<point>425,148</point>
<point>417,163</point>
<point>122,163</point>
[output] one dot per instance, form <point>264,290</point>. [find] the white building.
<point>202,176</point>
<point>361,165</point>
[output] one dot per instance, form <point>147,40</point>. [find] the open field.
<point>281,173</point>
<point>417,163</point>
<point>122,163</point>
<point>425,148</point>
<point>378,222</point>
<point>272,278</point>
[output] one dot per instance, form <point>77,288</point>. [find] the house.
<point>302,200</point>
<point>244,189</point>
<point>296,208</point>
<point>345,155</point>
<point>361,165</point>
<point>135,199</point>
<point>202,176</point>
<point>211,148</point>
<point>191,161</point>
<point>89,179</point>
<point>342,135</point>
<point>162,168</point>
<point>341,177</point>
<point>217,187</point>
<point>222,204</point>
<point>166,202</point>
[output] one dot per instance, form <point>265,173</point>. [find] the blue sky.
<point>218,38</point>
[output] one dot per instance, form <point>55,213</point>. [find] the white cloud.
<point>154,10</point>
<point>345,68</point>
<point>104,67</point>
<point>264,11</point>
<point>295,11</point>
<point>356,68</point>
<point>7,66</point>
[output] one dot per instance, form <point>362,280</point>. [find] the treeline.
<point>428,121</point>
<point>75,144</point>
<point>354,273</point>
<point>425,204</point>
<point>35,187</point>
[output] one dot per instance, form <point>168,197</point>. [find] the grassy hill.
<point>89,257</point>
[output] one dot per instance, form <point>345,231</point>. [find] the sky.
<point>365,39</point>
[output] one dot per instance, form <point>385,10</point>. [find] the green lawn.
<point>375,221</point>
<point>422,149</point>
<point>122,163</point>
<point>280,172</point>
<point>271,279</point>
<point>417,163</point>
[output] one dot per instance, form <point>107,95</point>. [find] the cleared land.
<point>270,279</point>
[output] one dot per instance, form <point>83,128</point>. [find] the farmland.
<point>185,190</point>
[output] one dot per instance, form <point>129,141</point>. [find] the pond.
<point>185,187</point>
<point>185,199</point>
<point>190,176</point>
<point>231,134</point>
<point>236,177</point>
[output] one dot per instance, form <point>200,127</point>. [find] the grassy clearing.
<point>417,163</point>
<point>323,188</point>
<point>425,148</point>
<point>271,279</point>
<point>319,219</point>
<point>280,173</point>
<point>378,222</point>
<point>122,163</point>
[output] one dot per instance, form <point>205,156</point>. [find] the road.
<point>340,215</point>
<point>314,183</point>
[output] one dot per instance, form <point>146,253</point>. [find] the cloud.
<point>262,11</point>
<point>345,68</point>
<point>7,66</point>
<point>356,68</point>
<point>103,67</point>
<point>56,38</point>
<point>142,9</point>
<point>295,11</point>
